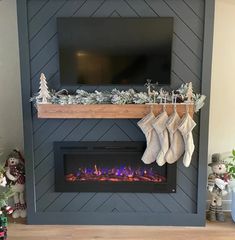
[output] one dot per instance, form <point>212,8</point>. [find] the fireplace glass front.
<point>109,167</point>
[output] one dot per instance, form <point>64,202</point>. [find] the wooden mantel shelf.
<point>107,110</point>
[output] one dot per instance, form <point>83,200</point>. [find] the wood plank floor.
<point>212,231</point>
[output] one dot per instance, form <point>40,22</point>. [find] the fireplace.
<point>109,167</point>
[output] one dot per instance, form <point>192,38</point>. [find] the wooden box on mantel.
<point>108,110</point>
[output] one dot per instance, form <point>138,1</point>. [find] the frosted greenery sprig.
<point>122,97</point>
<point>142,98</point>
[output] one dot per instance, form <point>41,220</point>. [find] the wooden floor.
<point>212,231</point>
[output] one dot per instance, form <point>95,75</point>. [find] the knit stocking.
<point>186,126</point>
<point>176,140</point>
<point>160,127</point>
<point>153,145</point>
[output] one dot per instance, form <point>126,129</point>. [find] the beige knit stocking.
<point>160,127</point>
<point>176,140</point>
<point>186,126</point>
<point>153,145</point>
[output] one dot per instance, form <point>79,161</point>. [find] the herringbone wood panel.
<point>186,66</point>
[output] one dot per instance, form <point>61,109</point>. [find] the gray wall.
<point>109,208</point>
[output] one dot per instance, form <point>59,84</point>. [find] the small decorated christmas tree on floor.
<point>44,94</point>
<point>5,193</point>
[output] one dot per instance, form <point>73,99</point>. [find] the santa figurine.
<point>15,174</point>
<point>218,187</point>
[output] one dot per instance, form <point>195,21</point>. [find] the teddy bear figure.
<point>15,175</point>
<point>217,187</point>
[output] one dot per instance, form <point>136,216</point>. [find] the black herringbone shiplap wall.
<point>186,66</point>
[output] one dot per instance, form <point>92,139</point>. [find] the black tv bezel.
<point>73,87</point>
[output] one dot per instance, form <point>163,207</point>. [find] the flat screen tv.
<point>104,51</point>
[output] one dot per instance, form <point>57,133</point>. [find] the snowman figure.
<point>217,187</point>
<point>15,174</point>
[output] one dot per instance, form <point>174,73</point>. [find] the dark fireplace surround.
<point>192,50</point>
<point>109,167</point>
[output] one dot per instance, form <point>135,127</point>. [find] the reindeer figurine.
<point>150,89</point>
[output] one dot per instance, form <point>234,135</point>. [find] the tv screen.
<point>103,51</point>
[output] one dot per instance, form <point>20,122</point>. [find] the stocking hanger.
<point>164,104</point>
<point>161,103</point>
<point>187,107</point>
<point>151,108</point>
<point>173,99</point>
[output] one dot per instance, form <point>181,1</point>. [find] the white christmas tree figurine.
<point>44,94</point>
<point>189,93</point>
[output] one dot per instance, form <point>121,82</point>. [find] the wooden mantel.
<point>107,110</point>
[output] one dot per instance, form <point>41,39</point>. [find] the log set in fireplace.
<point>109,167</point>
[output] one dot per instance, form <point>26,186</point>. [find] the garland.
<point>183,94</point>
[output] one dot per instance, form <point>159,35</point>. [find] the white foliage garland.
<point>183,94</point>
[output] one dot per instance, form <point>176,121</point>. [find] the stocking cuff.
<point>145,123</point>
<point>160,122</point>
<point>186,125</point>
<point>173,123</point>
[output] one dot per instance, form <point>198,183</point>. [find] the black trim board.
<point>35,217</point>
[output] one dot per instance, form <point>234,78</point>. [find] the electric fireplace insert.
<point>109,167</point>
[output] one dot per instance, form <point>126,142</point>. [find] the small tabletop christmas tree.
<point>44,93</point>
<point>189,93</point>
